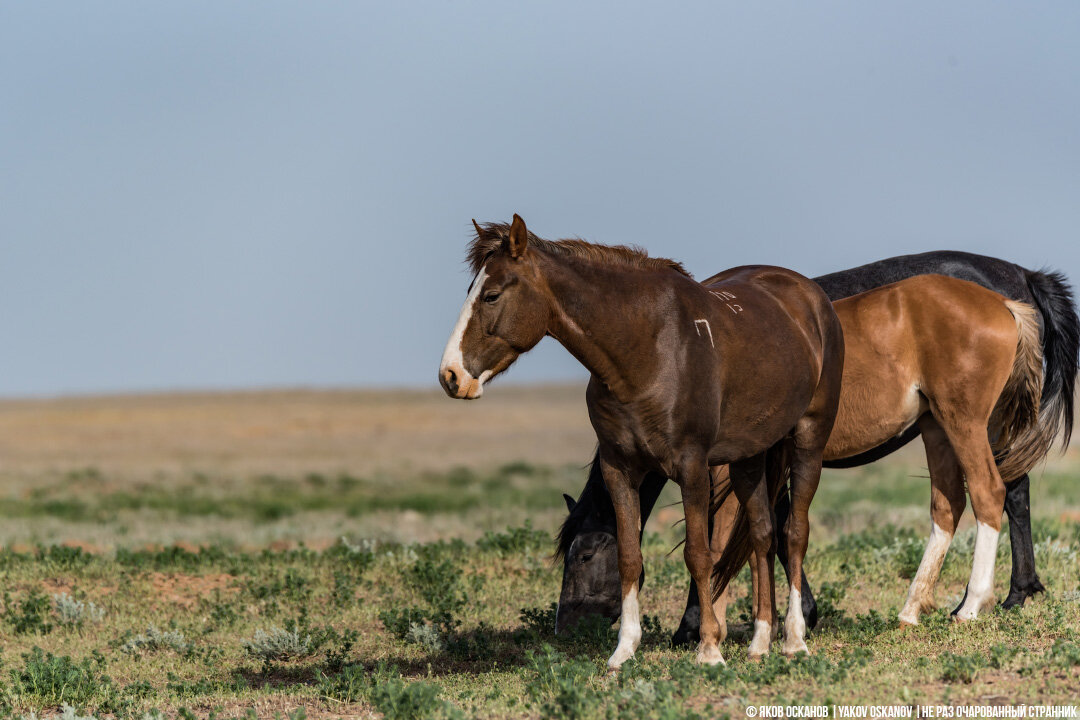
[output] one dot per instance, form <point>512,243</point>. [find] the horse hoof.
<point>710,656</point>
<point>755,656</point>
<point>795,649</point>
<point>616,660</point>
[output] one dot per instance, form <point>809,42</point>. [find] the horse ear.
<point>518,238</point>
<point>479,230</point>
<point>570,503</point>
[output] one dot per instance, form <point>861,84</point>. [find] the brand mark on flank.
<point>697,326</point>
<point>724,296</point>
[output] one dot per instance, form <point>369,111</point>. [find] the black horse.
<point>586,541</point>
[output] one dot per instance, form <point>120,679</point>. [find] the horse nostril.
<point>451,380</point>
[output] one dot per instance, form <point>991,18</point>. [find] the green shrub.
<point>30,615</point>
<point>960,668</point>
<point>560,686</point>
<point>46,679</point>
<point>387,691</point>
<point>515,541</point>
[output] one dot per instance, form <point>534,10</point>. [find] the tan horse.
<point>954,358</point>
<point>684,375</point>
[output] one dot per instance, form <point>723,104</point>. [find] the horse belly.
<point>870,415</point>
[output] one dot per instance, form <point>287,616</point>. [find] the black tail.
<point>737,551</point>
<point>1061,349</point>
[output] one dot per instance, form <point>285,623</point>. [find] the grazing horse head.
<point>590,553</point>
<point>505,314</point>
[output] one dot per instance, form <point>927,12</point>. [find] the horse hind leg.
<point>987,493</point>
<point>809,443</point>
<point>693,478</point>
<point>783,512</point>
<point>1024,582</point>
<point>748,479</point>
<point>722,522</point>
<point>947,503</point>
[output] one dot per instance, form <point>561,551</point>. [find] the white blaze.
<point>452,357</point>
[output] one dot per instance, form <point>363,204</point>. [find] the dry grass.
<point>169,436</point>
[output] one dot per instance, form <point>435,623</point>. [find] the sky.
<point>205,195</point>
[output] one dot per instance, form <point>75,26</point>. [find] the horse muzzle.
<point>459,384</point>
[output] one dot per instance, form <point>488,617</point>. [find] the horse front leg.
<point>624,497</point>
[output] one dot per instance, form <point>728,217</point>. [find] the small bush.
<point>559,686</point>
<point>155,639</point>
<point>438,583</point>
<point>427,637</point>
<point>387,691</point>
<point>398,700</point>
<point>1001,654</point>
<point>278,644</point>
<point>74,613</point>
<point>349,684</point>
<point>538,623</point>
<point>829,597</point>
<point>515,541</point>
<point>46,679</point>
<point>1064,654</point>
<point>960,668</point>
<point>30,615</point>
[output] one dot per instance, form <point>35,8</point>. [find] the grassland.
<point>185,555</point>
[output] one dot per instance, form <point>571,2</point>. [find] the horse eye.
<point>491,297</point>
<point>585,558</point>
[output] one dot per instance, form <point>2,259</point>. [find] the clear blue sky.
<point>252,194</point>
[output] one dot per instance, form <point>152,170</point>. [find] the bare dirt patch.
<point>186,590</point>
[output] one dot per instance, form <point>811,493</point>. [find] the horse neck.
<point>592,321</point>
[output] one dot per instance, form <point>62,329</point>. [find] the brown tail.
<point>1020,437</point>
<point>738,548</point>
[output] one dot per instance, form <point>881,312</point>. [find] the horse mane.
<point>594,498</point>
<point>491,236</point>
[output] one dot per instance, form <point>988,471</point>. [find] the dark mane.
<point>492,234</point>
<point>594,502</point>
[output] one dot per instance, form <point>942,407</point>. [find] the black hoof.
<point>810,615</point>
<point>1019,595</point>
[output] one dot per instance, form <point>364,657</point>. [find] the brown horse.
<point>953,358</point>
<point>684,375</point>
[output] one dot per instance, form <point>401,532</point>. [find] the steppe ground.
<point>357,554</point>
